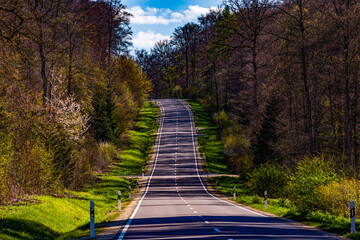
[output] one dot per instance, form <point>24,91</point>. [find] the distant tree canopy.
<point>67,83</point>
<point>239,58</point>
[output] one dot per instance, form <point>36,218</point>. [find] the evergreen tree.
<point>105,126</point>
<point>268,136</point>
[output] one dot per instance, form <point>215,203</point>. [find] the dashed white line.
<point>207,222</point>
<point>195,211</point>
<point>216,229</point>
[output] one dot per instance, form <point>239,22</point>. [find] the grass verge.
<point>283,208</point>
<point>134,158</point>
<point>67,216</point>
<point>210,144</point>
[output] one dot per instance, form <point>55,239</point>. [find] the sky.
<point>155,20</point>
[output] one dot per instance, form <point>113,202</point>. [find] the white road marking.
<point>197,169</point>
<point>121,236</point>
<point>206,222</point>
<point>195,211</point>
<point>216,229</point>
<point>191,208</point>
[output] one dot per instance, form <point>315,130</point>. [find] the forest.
<point>281,80</point>
<point>69,91</point>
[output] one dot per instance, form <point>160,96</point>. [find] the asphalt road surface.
<point>176,204</point>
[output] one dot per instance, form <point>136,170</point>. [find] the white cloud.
<point>165,16</point>
<point>196,11</point>
<point>147,39</point>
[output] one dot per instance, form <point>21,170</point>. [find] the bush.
<point>270,178</point>
<point>335,198</point>
<point>108,153</point>
<point>81,167</point>
<point>309,175</point>
<point>221,120</point>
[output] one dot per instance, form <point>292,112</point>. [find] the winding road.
<point>176,205</point>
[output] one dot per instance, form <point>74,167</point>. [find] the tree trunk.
<point>305,80</point>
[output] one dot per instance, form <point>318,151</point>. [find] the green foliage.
<point>336,197</point>
<point>106,127</point>
<point>309,175</point>
<point>108,152</point>
<point>268,177</point>
<point>177,92</point>
<point>221,120</point>
<point>132,160</point>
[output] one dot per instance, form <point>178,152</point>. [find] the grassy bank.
<point>210,144</point>
<point>133,159</point>
<point>283,208</point>
<point>67,216</point>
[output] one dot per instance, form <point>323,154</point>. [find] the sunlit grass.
<point>210,144</point>
<point>133,159</point>
<point>67,216</point>
<point>52,217</point>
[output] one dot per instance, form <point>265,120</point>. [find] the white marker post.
<point>216,185</point>
<point>137,186</point>
<point>129,193</point>
<point>352,216</point>
<point>119,200</point>
<point>92,219</point>
<point>234,193</point>
<point>266,200</point>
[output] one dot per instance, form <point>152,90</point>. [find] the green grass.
<point>283,208</point>
<point>210,144</point>
<point>67,217</point>
<point>133,159</point>
<point>49,217</point>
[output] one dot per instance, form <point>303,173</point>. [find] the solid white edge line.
<point>123,232</point>
<point>197,169</point>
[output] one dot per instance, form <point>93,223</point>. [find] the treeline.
<point>68,92</point>
<point>280,77</point>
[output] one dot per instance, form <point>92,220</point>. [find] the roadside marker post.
<point>234,193</point>
<point>119,200</point>
<point>92,219</point>
<point>137,186</point>
<point>216,185</point>
<point>129,193</point>
<point>266,200</point>
<point>352,216</point>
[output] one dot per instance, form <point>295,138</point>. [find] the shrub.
<point>309,175</point>
<point>221,120</point>
<point>108,153</point>
<point>335,198</point>
<point>81,169</point>
<point>270,178</point>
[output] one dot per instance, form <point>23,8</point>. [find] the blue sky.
<point>156,20</point>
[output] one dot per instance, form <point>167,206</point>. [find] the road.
<point>176,204</point>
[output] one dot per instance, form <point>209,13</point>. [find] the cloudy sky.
<point>155,20</point>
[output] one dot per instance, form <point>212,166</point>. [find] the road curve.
<point>176,204</point>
